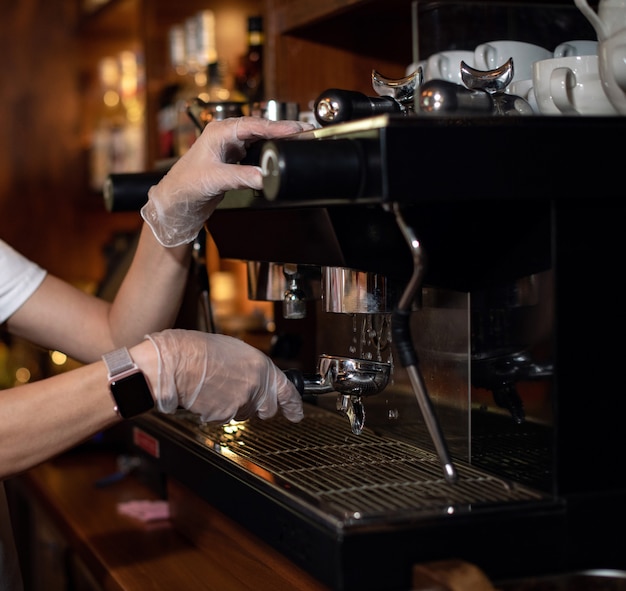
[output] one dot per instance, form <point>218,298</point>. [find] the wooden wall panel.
<point>45,211</point>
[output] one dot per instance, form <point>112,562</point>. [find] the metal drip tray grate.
<point>354,478</point>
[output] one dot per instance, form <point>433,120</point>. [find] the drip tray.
<point>354,478</point>
<point>321,494</point>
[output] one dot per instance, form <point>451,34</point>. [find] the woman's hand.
<point>188,194</point>
<point>220,378</point>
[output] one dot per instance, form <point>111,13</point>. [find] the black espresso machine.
<point>464,396</point>
<point>448,279</point>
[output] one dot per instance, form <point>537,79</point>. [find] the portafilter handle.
<point>338,106</point>
<point>483,93</point>
<point>352,379</point>
<point>441,97</point>
<point>495,82</point>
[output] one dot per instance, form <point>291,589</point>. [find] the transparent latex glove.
<point>188,194</point>
<point>220,378</point>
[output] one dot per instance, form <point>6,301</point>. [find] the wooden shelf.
<point>294,14</point>
<point>334,44</point>
<point>125,554</point>
<point>116,19</point>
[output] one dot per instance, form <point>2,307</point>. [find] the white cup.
<point>612,64</point>
<point>524,88</point>
<point>576,47</point>
<point>492,55</point>
<point>446,65</point>
<point>414,66</point>
<point>570,86</point>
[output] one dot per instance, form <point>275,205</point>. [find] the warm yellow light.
<point>22,375</point>
<point>58,358</point>
<point>223,286</point>
<point>234,426</point>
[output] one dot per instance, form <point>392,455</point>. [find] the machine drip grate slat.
<point>352,477</point>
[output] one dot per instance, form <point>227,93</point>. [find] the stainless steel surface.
<point>201,112</point>
<point>491,81</point>
<point>349,291</point>
<point>352,379</point>
<point>401,89</point>
<point>361,377</point>
<point>270,282</point>
<point>346,480</point>
<point>277,110</point>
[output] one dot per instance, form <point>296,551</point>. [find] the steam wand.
<point>406,352</point>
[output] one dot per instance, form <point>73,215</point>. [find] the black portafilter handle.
<point>296,377</point>
<point>299,379</point>
<point>129,191</point>
<point>441,97</point>
<point>336,106</point>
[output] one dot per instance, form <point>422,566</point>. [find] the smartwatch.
<point>128,385</point>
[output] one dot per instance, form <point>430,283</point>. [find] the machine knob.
<point>314,169</point>
<point>129,191</point>
<point>337,106</point>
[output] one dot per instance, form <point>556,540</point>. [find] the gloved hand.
<point>220,378</point>
<point>188,194</point>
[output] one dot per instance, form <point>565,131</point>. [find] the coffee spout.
<point>289,283</point>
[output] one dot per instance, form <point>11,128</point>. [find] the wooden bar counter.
<point>125,554</point>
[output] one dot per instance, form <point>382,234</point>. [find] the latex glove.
<point>188,194</point>
<point>220,378</point>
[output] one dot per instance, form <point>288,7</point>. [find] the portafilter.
<point>351,378</point>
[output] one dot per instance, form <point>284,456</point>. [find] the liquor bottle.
<point>249,77</point>
<point>107,146</point>
<point>192,81</point>
<point>204,97</point>
<point>132,95</point>
<point>118,141</point>
<point>167,116</point>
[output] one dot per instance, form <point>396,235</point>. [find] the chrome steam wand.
<point>406,351</point>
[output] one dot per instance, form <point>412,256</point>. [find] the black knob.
<point>129,191</point>
<point>336,106</point>
<point>316,169</point>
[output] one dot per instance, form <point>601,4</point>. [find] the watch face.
<point>132,395</point>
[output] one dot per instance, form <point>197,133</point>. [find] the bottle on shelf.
<point>107,144</point>
<point>167,115</point>
<point>118,141</point>
<point>191,76</point>
<point>249,76</point>
<point>203,93</point>
<point>132,95</point>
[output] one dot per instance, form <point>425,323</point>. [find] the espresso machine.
<point>461,392</point>
<point>461,397</point>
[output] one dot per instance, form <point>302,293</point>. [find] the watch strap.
<point>118,362</point>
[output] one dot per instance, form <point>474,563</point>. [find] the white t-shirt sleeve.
<point>19,278</point>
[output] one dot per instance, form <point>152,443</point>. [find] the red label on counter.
<point>146,442</point>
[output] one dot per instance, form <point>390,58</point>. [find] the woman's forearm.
<point>70,408</point>
<point>149,298</point>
